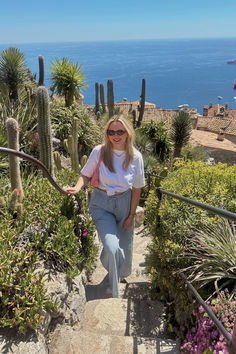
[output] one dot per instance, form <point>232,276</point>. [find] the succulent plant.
<point>57,160</point>
<point>110,98</point>
<point>96,98</point>
<point>13,200</point>
<point>102,98</point>
<point>141,104</point>
<point>44,129</point>
<point>41,70</point>
<point>83,161</point>
<point>2,203</point>
<point>71,145</point>
<point>14,163</point>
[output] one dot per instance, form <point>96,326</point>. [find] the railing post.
<point>232,348</point>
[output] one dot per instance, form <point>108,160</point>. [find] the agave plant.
<point>213,250</point>
<point>67,79</point>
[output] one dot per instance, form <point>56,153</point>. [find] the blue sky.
<point>75,20</point>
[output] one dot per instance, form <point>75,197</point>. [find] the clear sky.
<point>75,20</point>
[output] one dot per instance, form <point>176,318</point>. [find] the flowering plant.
<point>205,337</point>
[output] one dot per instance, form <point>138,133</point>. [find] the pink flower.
<point>85,233</point>
<point>36,137</point>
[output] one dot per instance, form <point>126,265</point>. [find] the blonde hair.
<point>108,149</point>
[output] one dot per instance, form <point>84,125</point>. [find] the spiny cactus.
<point>141,103</point>
<point>96,98</point>
<point>102,98</point>
<point>57,160</point>
<point>71,145</point>
<point>14,163</point>
<point>41,70</point>
<point>13,200</point>
<point>2,203</point>
<point>19,210</point>
<point>110,98</point>
<point>83,161</point>
<point>44,129</point>
<point>134,118</point>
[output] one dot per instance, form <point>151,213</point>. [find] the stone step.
<point>124,317</point>
<point>87,342</point>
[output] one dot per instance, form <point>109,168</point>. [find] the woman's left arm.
<point>134,203</point>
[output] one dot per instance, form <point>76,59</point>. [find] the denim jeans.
<point>109,214</point>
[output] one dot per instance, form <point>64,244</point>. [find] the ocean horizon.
<point>177,71</point>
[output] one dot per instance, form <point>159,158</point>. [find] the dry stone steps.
<point>129,324</point>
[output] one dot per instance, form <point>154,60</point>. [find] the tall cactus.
<point>96,98</point>
<point>44,129</point>
<point>57,160</point>
<point>71,145</point>
<point>14,163</point>
<point>141,103</point>
<point>110,98</point>
<point>102,98</point>
<point>41,70</point>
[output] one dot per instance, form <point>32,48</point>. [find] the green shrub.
<point>64,240</point>
<point>171,220</point>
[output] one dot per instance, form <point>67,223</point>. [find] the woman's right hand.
<point>72,190</point>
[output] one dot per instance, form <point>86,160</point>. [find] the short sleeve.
<point>92,162</point>
<point>139,180</point>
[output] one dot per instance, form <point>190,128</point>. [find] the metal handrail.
<point>231,341</point>
<point>35,162</point>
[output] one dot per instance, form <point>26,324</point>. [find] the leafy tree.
<point>13,72</point>
<point>180,131</point>
<point>67,79</point>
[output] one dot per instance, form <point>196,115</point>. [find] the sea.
<point>177,71</point>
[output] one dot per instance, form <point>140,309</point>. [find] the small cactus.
<point>2,203</point>
<point>44,129</point>
<point>141,103</point>
<point>57,160</point>
<point>14,163</point>
<point>110,98</point>
<point>83,161</point>
<point>13,200</point>
<point>19,210</point>
<point>102,98</point>
<point>71,145</point>
<point>41,70</point>
<point>134,118</point>
<point>96,98</point>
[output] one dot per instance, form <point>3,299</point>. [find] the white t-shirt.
<point>121,180</point>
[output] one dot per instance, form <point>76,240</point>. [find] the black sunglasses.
<point>116,132</point>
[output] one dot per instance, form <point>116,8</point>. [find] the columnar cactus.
<point>44,128</point>
<point>102,98</point>
<point>71,145</point>
<point>2,203</point>
<point>141,104</point>
<point>57,160</point>
<point>14,163</point>
<point>41,70</point>
<point>13,200</point>
<point>96,98</point>
<point>134,118</point>
<point>19,210</point>
<point>110,98</point>
<point>83,161</point>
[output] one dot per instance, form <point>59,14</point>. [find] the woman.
<point>113,203</point>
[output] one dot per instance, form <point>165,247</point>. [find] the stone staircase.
<point>130,324</point>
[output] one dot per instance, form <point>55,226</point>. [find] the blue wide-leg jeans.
<point>109,214</point>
